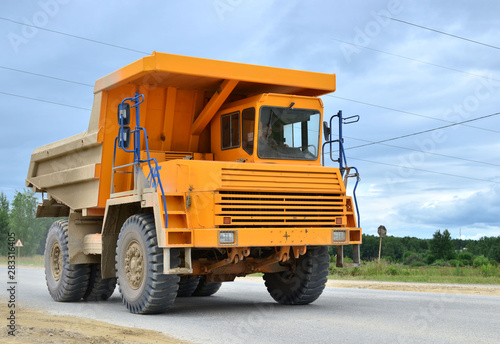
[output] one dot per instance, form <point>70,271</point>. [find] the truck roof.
<point>185,72</point>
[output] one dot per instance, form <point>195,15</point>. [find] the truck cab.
<point>269,128</point>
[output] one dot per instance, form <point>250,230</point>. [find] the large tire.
<point>205,288</point>
<point>99,289</point>
<point>139,264</point>
<point>306,280</point>
<point>66,282</point>
<point>187,286</point>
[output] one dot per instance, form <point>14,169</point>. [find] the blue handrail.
<point>153,177</point>
<point>342,160</point>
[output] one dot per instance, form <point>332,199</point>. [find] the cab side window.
<point>248,127</point>
<point>230,129</point>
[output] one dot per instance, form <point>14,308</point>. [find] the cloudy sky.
<point>401,79</point>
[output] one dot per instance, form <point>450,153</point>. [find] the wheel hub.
<point>56,261</point>
<point>134,259</point>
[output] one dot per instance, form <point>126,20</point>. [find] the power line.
<point>427,171</point>
<point>46,76</point>
<point>443,33</point>
<point>419,61</point>
<point>427,152</point>
<point>424,131</point>
<point>410,113</point>
<point>74,36</point>
<point>44,101</point>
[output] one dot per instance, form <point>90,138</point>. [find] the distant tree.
<point>466,258</point>
<point>392,248</point>
<point>480,261</point>
<point>494,253</point>
<point>25,225</point>
<point>424,245</point>
<point>4,223</point>
<point>441,245</point>
<point>413,257</point>
<point>429,259</point>
<point>369,247</point>
<point>413,244</point>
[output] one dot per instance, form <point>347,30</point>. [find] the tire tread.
<point>75,277</point>
<point>304,285</point>
<point>205,288</point>
<point>160,290</point>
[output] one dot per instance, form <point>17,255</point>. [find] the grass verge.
<point>486,274</point>
<point>33,261</point>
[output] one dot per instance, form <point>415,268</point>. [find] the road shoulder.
<point>470,289</point>
<point>36,326</point>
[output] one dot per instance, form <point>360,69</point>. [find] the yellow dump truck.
<point>193,172</point>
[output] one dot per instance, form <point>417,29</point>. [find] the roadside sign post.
<point>382,232</point>
<point>18,244</point>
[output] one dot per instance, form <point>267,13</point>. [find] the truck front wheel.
<point>139,264</point>
<point>66,282</point>
<point>305,281</point>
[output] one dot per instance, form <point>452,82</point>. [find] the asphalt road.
<point>243,311</point>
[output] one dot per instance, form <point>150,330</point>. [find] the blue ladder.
<point>342,160</point>
<point>124,131</point>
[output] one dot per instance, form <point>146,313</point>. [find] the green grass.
<point>33,261</point>
<point>486,274</point>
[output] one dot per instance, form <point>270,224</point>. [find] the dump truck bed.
<point>181,96</point>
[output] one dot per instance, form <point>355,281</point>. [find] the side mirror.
<point>124,137</point>
<point>124,113</point>
<point>326,131</point>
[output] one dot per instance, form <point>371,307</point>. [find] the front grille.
<point>273,179</point>
<point>279,209</point>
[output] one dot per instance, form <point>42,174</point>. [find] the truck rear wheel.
<point>205,288</point>
<point>139,264</point>
<point>306,280</point>
<point>66,282</point>
<point>99,289</point>
<point>187,285</point>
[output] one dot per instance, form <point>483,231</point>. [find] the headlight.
<point>227,237</point>
<point>339,235</point>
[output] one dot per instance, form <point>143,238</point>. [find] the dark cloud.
<point>479,208</point>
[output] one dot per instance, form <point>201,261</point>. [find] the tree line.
<point>440,250</point>
<point>19,217</point>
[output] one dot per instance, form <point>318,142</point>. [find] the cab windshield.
<point>288,133</point>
